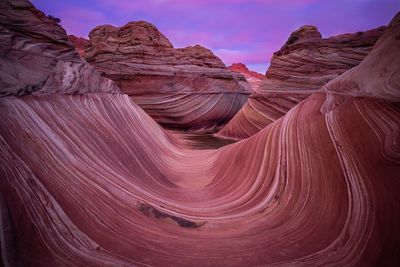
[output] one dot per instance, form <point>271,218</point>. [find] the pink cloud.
<point>248,31</point>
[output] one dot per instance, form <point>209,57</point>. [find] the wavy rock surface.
<point>92,180</point>
<point>304,64</point>
<point>254,78</point>
<point>186,88</point>
<point>149,202</point>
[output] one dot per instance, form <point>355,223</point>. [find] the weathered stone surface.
<point>304,64</point>
<point>252,77</point>
<point>80,43</point>
<point>92,180</point>
<point>185,88</point>
<point>36,56</point>
<point>378,75</point>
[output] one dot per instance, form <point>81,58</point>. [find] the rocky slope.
<point>36,56</point>
<point>92,180</point>
<point>304,64</point>
<point>254,78</point>
<point>185,88</point>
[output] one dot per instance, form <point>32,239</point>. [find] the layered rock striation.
<point>304,64</point>
<point>183,88</point>
<point>92,180</point>
<point>36,56</point>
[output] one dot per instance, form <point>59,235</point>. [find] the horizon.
<point>233,30</point>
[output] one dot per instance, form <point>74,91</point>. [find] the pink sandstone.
<point>92,180</point>
<point>36,56</point>
<point>304,64</point>
<point>181,88</point>
<point>252,77</point>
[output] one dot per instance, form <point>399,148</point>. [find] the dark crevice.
<point>152,212</point>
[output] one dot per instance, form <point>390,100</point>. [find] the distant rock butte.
<point>241,68</point>
<point>80,43</point>
<point>185,88</point>
<point>304,64</point>
<point>254,78</point>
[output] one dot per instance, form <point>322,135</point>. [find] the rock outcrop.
<point>36,56</point>
<point>80,43</point>
<point>254,78</point>
<point>185,88</point>
<point>304,64</point>
<point>241,68</point>
<point>92,180</point>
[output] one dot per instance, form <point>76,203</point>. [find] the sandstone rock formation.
<point>36,56</point>
<point>92,180</point>
<point>80,43</point>
<point>304,64</point>
<point>184,88</point>
<point>254,78</point>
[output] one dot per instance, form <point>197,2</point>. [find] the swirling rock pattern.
<point>186,88</point>
<point>36,56</point>
<point>304,64</point>
<point>129,196</point>
<point>92,180</point>
<point>253,78</point>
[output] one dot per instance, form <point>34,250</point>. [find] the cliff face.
<point>36,56</point>
<point>252,77</point>
<point>80,43</point>
<point>92,180</point>
<point>186,88</point>
<point>304,64</point>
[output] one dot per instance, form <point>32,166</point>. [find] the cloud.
<point>246,31</point>
<point>79,21</point>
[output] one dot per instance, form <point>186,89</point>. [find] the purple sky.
<point>246,31</point>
